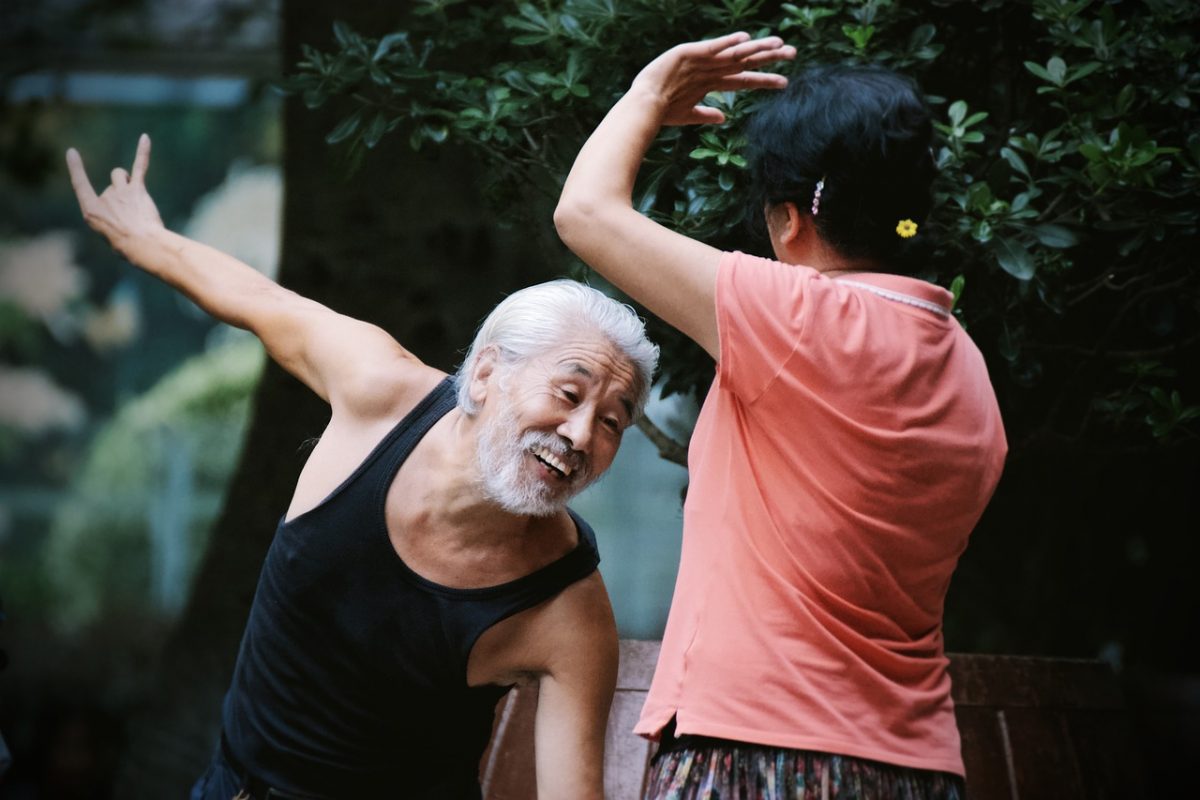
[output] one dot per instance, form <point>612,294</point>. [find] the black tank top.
<point>352,673</point>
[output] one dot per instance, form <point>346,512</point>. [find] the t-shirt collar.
<point>915,288</point>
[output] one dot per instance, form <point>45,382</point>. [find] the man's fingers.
<point>141,162</point>
<point>79,179</point>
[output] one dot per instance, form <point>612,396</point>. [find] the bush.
<point>1066,213</point>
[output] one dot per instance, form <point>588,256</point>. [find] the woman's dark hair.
<point>866,132</point>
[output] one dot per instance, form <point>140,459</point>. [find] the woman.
<point>844,452</point>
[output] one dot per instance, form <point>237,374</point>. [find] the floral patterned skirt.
<point>703,768</point>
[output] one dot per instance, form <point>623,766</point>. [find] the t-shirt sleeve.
<point>760,320</point>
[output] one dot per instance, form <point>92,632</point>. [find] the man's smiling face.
<point>552,425</point>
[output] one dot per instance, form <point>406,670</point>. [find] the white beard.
<point>506,477</point>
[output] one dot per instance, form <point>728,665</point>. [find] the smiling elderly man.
<point>427,561</point>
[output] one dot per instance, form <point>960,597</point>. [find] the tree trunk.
<point>405,243</point>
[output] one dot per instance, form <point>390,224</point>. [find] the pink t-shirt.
<point>844,453</point>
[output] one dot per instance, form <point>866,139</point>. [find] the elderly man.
<point>427,561</point>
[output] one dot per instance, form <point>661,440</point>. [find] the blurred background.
<point>146,453</point>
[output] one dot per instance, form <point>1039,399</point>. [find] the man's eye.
<point>613,424</point>
<point>571,396</point>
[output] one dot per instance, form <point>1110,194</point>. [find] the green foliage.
<point>1069,159</point>
<point>98,552</point>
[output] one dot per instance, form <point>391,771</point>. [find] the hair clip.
<point>906,228</point>
<point>816,203</point>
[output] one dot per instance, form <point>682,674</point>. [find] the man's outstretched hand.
<point>124,211</point>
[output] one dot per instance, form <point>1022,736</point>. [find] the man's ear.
<point>482,374</point>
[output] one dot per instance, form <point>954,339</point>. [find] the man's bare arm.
<point>575,694</point>
<point>338,357</point>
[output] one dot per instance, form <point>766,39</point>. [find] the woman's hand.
<point>124,212</point>
<point>680,78</point>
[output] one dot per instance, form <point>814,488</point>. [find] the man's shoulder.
<point>389,389</point>
<point>578,621</point>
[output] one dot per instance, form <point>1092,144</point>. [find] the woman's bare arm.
<point>672,275</point>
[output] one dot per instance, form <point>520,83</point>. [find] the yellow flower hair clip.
<point>906,228</point>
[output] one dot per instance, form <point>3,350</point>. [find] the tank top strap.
<point>470,612</point>
<point>396,447</point>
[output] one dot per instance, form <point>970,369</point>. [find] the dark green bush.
<point>1066,216</point>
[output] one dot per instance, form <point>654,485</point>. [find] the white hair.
<point>534,320</point>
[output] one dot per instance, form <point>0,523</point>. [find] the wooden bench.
<point>1031,728</point>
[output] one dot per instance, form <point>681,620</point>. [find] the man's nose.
<point>577,430</point>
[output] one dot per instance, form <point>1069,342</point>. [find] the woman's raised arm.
<point>672,275</point>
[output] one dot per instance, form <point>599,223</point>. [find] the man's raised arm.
<point>332,354</point>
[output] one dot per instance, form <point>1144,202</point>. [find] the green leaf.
<point>533,15</point>
<point>956,112</point>
<point>1083,71</point>
<point>1038,70</point>
<point>314,98</point>
<point>859,34</point>
<point>571,26</point>
<point>1014,258</point>
<point>921,36</point>
<point>375,130</point>
<point>1057,69</point>
<point>1015,161</point>
<point>344,34</point>
<point>1124,99</point>
<point>975,119</point>
<point>1055,236</point>
<point>388,42</point>
<point>956,289</point>
<point>344,128</point>
<point>1009,345</point>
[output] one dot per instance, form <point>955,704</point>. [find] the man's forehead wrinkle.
<point>598,361</point>
<point>575,368</point>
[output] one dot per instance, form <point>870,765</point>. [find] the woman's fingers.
<point>739,56</point>
<point>782,53</point>
<point>749,80</point>
<point>141,162</point>
<point>707,115</point>
<point>119,177</point>
<point>712,47</point>
<point>747,49</point>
